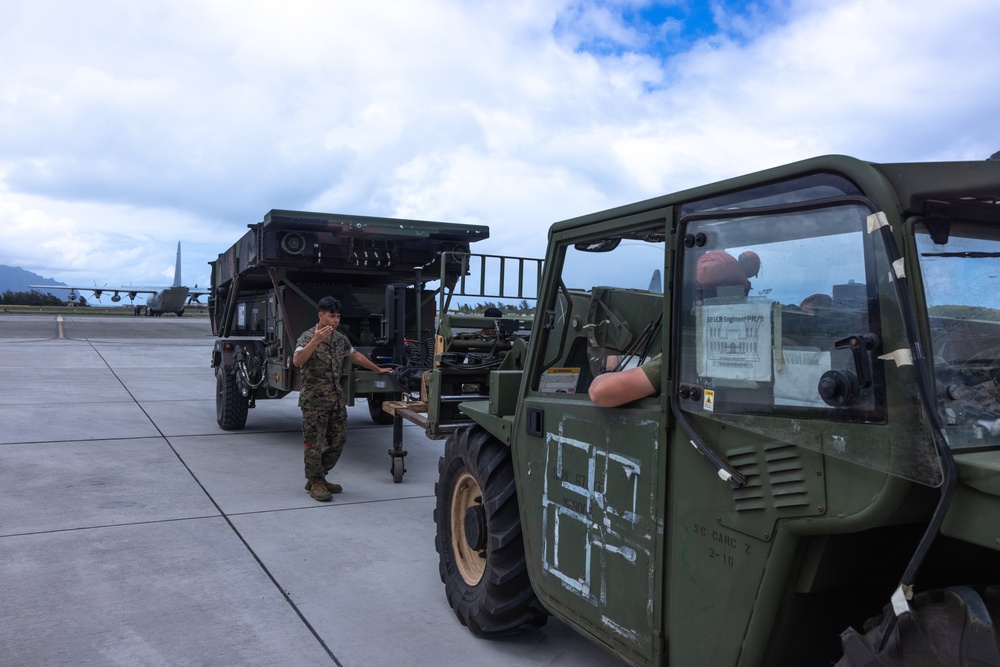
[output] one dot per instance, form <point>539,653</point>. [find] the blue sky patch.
<point>663,28</point>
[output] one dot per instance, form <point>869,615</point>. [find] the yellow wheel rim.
<point>471,563</point>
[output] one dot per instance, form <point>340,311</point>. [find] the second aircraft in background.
<point>171,299</point>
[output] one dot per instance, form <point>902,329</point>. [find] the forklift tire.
<point>479,540</point>
<point>948,626</point>
<point>378,415</point>
<point>230,407</point>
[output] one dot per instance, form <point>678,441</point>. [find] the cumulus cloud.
<point>125,127</point>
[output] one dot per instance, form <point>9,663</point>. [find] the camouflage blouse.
<point>653,371</point>
<point>321,374</point>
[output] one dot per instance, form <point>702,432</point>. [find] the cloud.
<point>125,127</point>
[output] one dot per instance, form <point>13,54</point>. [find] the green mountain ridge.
<point>16,279</point>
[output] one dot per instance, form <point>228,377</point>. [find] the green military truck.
<point>385,271</point>
<point>818,477</point>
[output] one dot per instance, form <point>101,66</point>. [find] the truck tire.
<point>949,626</point>
<point>375,411</point>
<point>230,407</point>
<point>479,540</point>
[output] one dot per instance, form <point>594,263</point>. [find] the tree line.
<point>966,313</point>
<point>32,298</point>
<point>524,308</point>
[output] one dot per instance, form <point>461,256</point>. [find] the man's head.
<point>718,269</point>
<point>493,312</point>
<point>329,311</point>
<point>328,304</point>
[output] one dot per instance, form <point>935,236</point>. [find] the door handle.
<point>535,421</point>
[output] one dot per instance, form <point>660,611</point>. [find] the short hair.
<point>493,312</point>
<point>329,304</point>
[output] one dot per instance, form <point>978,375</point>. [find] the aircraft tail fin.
<point>177,267</point>
<point>655,282</point>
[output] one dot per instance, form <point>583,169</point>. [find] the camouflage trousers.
<point>324,433</point>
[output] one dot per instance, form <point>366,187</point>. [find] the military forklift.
<point>815,480</point>
<point>386,273</point>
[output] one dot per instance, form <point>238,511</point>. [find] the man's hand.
<point>320,334</point>
<point>361,360</point>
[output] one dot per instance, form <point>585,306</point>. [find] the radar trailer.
<point>266,286</point>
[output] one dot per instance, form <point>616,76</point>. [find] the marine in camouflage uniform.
<point>320,355</point>
<point>321,398</point>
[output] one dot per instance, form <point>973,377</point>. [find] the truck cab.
<point>822,446</point>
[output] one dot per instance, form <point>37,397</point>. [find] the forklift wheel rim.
<point>470,562</point>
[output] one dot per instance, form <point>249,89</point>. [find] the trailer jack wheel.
<point>396,468</point>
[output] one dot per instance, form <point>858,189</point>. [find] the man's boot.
<point>330,486</point>
<point>317,489</point>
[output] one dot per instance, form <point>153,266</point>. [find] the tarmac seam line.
<point>328,505</point>
<point>232,526</point>
<point>112,525</point>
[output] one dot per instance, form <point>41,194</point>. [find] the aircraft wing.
<point>117,292</point>
<point>177,294</point>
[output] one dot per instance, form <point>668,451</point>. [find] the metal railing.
<point>487,277</point>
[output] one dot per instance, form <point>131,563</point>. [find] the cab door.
<point>597,473</point>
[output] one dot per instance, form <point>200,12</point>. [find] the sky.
<point>128,126</point>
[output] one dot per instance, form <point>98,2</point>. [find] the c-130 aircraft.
<point>171,299</point>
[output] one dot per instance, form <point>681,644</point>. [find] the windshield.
<point>960,267</point>
<point>786,321</point>
<point>608,310</point>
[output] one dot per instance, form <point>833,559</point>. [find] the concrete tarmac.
<point>134,531</point>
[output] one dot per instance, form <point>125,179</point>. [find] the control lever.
<point>840,387</point>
